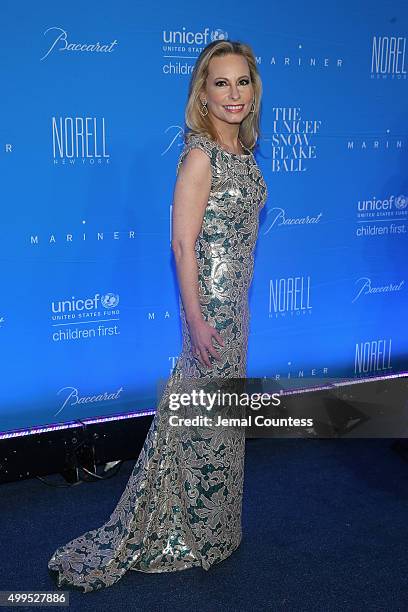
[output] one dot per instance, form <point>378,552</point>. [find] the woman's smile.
<point>234,108</point>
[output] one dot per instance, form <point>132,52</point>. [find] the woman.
<point>182,504</point>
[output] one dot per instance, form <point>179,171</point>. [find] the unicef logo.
<point>401,202</point>
<point>218,35</point>
<point>110,300</point>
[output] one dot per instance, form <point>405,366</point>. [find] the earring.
<point>204,108</point>
<point>252,109</point>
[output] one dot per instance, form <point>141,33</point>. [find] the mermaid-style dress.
<point>182,503</point>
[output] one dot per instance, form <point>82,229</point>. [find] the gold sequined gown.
<point>182,504</point>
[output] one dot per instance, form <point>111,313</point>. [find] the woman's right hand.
<point>201,334</point>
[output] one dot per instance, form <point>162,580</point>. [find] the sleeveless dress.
<point>182,504</point>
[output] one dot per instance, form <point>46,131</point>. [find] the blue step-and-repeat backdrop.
<point>92,119</point>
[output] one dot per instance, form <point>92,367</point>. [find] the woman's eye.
<point>244,81</point>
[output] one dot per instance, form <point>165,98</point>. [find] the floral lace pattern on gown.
<point>182,504</point>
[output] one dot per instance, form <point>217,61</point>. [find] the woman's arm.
<point>191,194</point>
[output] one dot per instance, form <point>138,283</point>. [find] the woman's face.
<point>228,84</point>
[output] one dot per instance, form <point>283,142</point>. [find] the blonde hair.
<point>249,128</point>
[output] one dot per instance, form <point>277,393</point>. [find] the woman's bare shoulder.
<point>196,141</point>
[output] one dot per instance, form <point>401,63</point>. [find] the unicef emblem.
<point>218,35</point>
<point>110,300</point>
<point>401,202</point>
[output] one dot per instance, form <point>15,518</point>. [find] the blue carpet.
<point>325,528</point>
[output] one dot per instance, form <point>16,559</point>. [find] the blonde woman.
<point>181,507</point>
